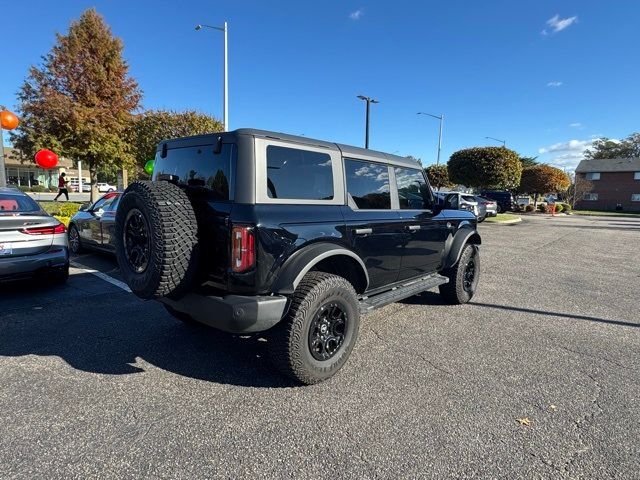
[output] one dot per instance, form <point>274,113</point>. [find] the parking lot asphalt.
<point>97,383</point>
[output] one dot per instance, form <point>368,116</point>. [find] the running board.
<point>367,304</point>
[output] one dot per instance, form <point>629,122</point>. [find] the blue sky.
<point>547,76</point>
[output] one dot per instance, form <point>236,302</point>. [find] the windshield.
<point>16,203</point>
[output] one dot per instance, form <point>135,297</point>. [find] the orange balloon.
<point>8,120</point>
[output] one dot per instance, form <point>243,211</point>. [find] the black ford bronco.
<point>254,231</point>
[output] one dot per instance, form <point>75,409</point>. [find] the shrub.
<point>67,209</point>
<point>53,189</point>
<point>38,188</point>
<point>24,188</point>
<point>529,208</point>
<point>542,208</point>
<point>559,208</point>
<point>62,219</point>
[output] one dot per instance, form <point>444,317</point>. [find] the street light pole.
<point>441,118</point>
<point>369,101</point>
<point>225,87</point>
<point>504,142</point>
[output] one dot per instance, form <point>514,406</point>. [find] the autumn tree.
<point>438,176</point>
<point>485,167</point>
<point>80,101</point>
<point>153,126</point>
<point>541,179</point>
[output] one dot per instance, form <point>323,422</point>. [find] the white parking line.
<point>102,276</point>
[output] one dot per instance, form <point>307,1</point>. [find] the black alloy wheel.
<point>327,331</point>
<point>137,245</point>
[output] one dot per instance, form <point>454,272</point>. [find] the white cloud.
<point>557,24</point>
<point>357,14</point>
<point>566,154</point>
<point>554,84</point>
<point>576,125</point>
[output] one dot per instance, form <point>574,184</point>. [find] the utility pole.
<point>369,101</point>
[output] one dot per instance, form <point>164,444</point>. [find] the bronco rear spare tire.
<point>156,239</point>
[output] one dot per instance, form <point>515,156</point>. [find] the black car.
<point>93,226</point>
<point>254,231</point>
<point>504,198</point>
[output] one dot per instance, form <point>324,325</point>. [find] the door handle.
<point>413,228</point>
<point>363,231</point>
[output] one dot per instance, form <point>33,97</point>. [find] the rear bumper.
<point>232,313</point>
<point>20,267</point>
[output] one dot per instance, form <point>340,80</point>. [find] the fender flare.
<point>455,244</point>
<point>301,262</point>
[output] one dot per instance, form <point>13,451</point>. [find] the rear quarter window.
<point>298,174</point>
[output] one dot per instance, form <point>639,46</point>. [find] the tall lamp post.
<point>369,101</point>
<point>504,142</point>
<point>225,88</point>
<point>441,118</point>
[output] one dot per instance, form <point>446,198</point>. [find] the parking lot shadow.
<point>111,333</point>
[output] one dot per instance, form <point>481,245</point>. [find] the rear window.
<point>368,184</point>
<point>17,204</point>
<point>298,174</point>
<point>200,167</point>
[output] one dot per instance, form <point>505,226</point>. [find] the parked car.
<point>253,231</point>
<point>504,198</point>
<point>524,200</point>
<point>93,226</point>
<point>75,186</point>
<point>491,206</point>
<point>105,187</point>
<point>32,242</point>
<point>464,201</point>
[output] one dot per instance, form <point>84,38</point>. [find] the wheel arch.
<point>322,257</point>
<point>455,244</point>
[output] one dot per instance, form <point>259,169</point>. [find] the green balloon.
<point>148,167</point>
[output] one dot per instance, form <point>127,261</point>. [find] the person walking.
<point>62,187</point>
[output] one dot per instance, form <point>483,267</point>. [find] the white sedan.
<point>105,187</point>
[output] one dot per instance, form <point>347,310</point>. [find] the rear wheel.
<point>463,277</point>
<point>499,209</point>
<point>320,330</point>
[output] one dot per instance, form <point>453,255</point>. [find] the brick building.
<point>608,184</point>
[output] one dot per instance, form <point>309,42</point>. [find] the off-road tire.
<point>454,292</point>
<point>173,233</point>
<point>288,341</point>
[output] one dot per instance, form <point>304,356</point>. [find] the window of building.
<point>200,167</point>
<point>636,175</point>
<point>593,176</point>
<point>590,196</point>
<point>298,174</point>
<point>368,184</point>
<point>635,197</point>
<point>413,190</point>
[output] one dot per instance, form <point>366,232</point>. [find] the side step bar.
<point>368,304</point>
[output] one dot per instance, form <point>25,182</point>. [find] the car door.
<point>425,228</point>
<point>374,229</point>
<point>108,223</point>
<point>89,226</point>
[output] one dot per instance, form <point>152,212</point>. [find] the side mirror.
<point>84,207</point>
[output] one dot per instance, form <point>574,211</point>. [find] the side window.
<point>114,204</point>
<point>100,204</point>
<point>413,190</point>
<point>298,174</point>
<point>451,202</point>
<point>200,167</point>
<point>368,184</point>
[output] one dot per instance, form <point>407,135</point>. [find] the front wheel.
<point>320,330</point>
<point>463,277</point>
<point>74,240</point>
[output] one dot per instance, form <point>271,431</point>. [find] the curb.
<point>505,222</point>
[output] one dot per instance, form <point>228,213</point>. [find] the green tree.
<point>485,167</point>
<point>541,179</point>
<point>606,148</point>
<point>80,101</point>
<point>438,176</point>
<point>153,126</point>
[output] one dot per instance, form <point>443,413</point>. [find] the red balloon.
<point>46,158</point>
<point>8,120</point>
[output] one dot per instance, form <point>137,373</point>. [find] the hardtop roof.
<point>347,150</point>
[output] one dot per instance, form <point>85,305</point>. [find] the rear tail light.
<point>52,230</point>
<point>243,249</point>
